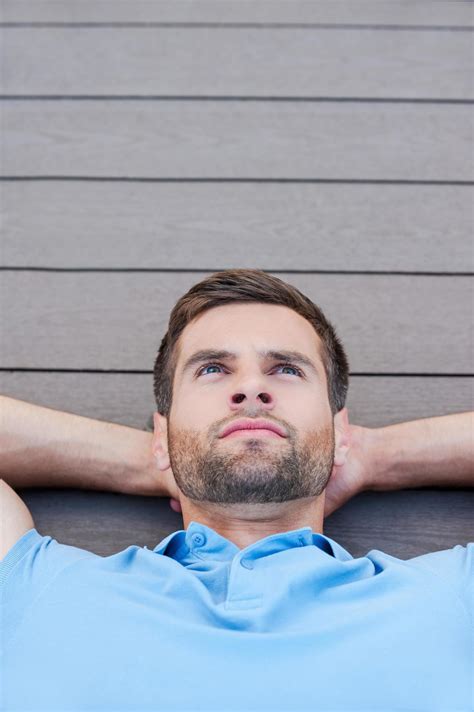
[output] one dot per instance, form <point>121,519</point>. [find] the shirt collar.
<point>203,542</point>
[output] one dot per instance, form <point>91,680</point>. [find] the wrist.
<point>402,454</point>
<point>366,451</point>
<point>141,475</point>
<point>429,452</point>
<point>386,454</point>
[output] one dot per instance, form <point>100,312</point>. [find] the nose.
<point>251,394</point>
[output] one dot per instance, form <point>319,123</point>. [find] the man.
<point>250,606</point>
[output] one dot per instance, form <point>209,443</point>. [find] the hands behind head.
<point>354,475</point>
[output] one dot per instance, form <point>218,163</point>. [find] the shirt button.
<point>246,563</point>
<point>198,539</point>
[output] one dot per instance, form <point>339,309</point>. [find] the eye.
<point>208,365</point>
<point>292,368</point>
<point>203,370</point>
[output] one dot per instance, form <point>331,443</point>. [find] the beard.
<point>252,470</point>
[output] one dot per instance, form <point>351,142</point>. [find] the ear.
<point>342,437</point>
<point>160,441</point>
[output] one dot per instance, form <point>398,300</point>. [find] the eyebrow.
<point>215,355</point>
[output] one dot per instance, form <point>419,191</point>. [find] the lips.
<point>251,424</point>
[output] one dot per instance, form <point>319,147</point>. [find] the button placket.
<point>198,539</point>
<point>247,564</point>
<point>244,589</point>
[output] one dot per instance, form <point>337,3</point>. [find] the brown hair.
<point>247,285</point>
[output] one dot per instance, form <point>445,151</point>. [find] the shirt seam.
<point>453,590</point>
<point>11,560</point>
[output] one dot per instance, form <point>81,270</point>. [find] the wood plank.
<point>237,62</point>
<point>389,324</point>
<point>237,140</point>
<point>374,401</point>
<point>405,523</point>
<point>158,225</point>
<point>385,12</point>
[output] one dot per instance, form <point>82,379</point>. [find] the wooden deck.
<point>147,144</point>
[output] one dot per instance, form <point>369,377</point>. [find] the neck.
<point>244,524</point>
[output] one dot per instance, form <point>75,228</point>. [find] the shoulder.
<point>449,563</point>
<point>453,567</point>
<point>34,560</point>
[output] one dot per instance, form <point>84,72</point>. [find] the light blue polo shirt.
<point>292,622</point>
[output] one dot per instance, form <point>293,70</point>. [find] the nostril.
<point>238,398</point>
<point>264,397</point>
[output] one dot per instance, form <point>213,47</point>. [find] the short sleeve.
<point>27,569</point>
<point>455,567</point>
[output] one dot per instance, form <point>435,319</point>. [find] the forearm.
<point>433,452</point>
<point>42,447</point>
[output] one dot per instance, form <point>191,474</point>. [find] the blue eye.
<point>203,370</point>
<point>292,368</point>
<point>208,365</point>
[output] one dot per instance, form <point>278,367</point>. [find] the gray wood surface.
<point>278,226</point>
<point>388,323</point>
<point>238,62</point>
<point>237,140</point>
<point>127,398</point>
<point>404,523</point>
<point>391,12</point>
<point>352,54</point>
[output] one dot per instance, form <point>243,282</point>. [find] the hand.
<point>354,476</point>
<point>175,505</point>
<point>166,487</point>
<point>148,480</point>
<point>173,491</point>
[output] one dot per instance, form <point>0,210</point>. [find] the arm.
<point>42,447</point>
<point>431,452</point>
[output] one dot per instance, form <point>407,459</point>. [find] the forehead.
<point>246,327</point>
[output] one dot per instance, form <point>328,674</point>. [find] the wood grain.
<point>290,226</point>
<point>200,139</point>
<point>237,62</point>
<point>385,12</point>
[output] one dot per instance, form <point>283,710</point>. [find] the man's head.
<point>243,346</point>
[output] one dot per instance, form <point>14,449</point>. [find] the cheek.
<point>307,408</point>
<point>192,409</point>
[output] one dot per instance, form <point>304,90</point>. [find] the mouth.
<point>252,433</point>
<point>248,427</point>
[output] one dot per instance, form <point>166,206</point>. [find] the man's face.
<point>256,379</point>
